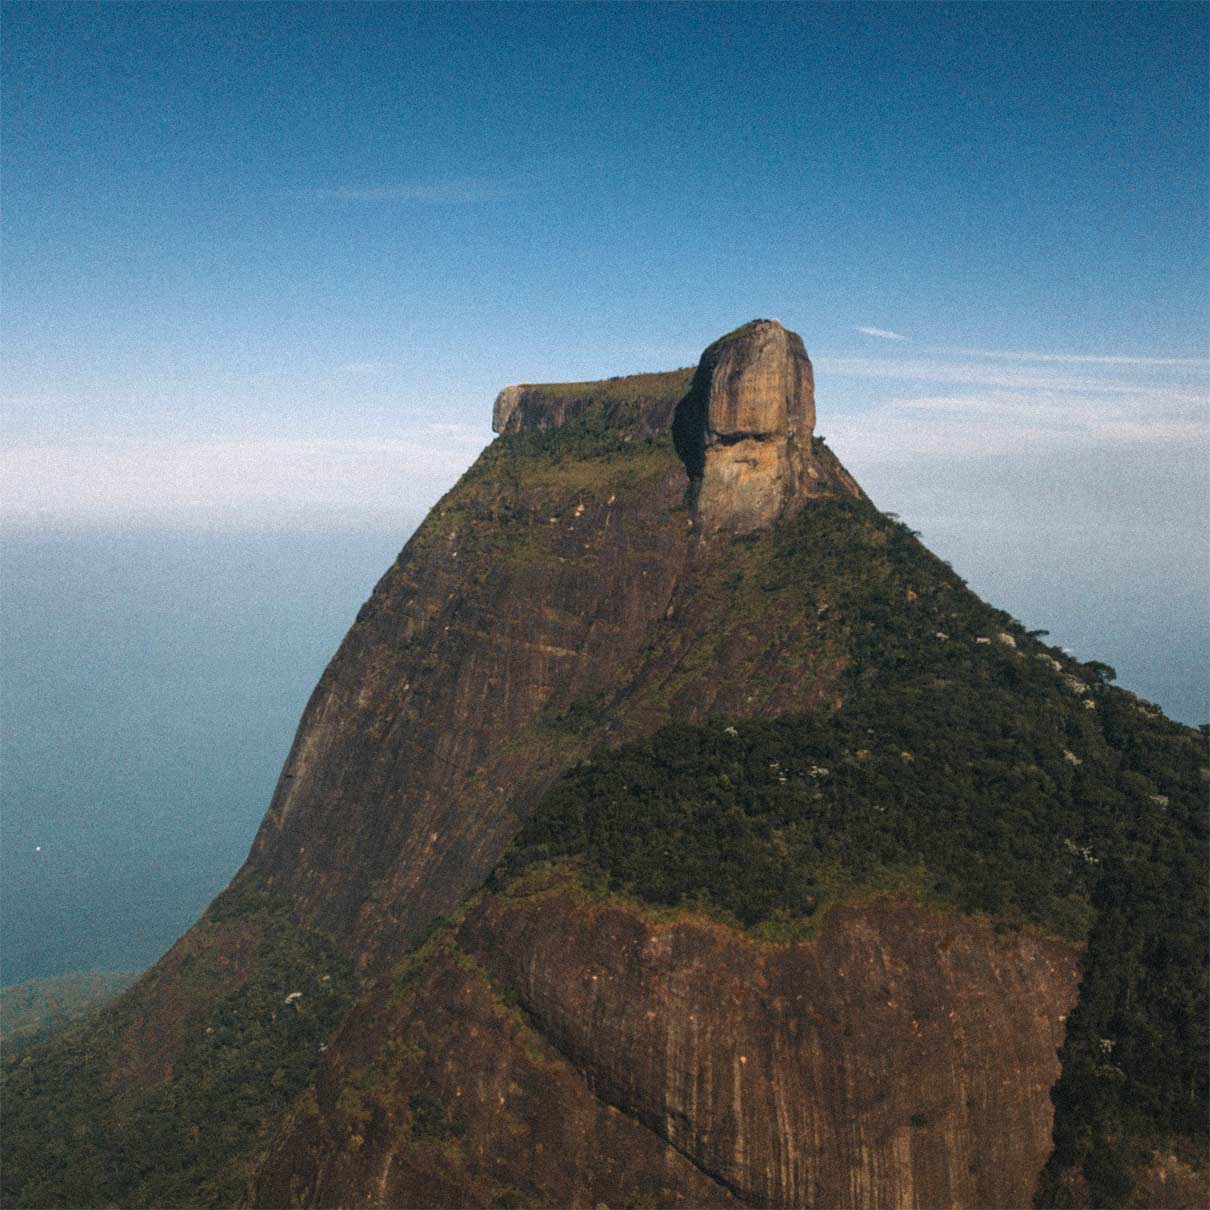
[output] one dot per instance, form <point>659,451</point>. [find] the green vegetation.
<point>33,1011</point>
<point>79,1131</point>
<point>432,1118</point>
<point>1136,1074</point>
<point>585,452</point>
<point>514,505</point>
<point>625,391</point>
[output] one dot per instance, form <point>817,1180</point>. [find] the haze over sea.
<point>151,682</point>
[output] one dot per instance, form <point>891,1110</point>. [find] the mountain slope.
<point>968,768</point>
<point>745,838</point>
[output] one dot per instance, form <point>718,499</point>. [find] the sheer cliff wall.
<point>902,1059</point>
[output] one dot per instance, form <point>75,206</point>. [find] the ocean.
<point>150,685</point>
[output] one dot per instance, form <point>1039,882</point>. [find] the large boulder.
<point>744,430</point>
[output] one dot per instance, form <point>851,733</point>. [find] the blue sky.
<point>269,264</point>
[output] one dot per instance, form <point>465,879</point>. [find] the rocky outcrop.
<point>903,1058</point>
<point>742,423</point>
<point>637,405</point>
<point>744,430</point>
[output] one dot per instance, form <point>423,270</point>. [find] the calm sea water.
<point>150,684</point>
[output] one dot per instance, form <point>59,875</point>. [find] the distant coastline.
<point>35,1010</point>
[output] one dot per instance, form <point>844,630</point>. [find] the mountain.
<point>672,828</point>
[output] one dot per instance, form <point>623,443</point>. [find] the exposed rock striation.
<point>425,743</point>
<point>901,1059</point>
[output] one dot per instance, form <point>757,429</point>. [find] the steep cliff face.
<point>639,405</point>
<point>745,428</point>
<point>423,742</point>
<point>901,1059</point>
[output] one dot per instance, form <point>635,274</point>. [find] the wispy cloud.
<point>981,374</point>
<point>1083,358</point>
<point>447,191</point>
<point>881,333</point>
<point>955,430</point>
<point>983,403</point>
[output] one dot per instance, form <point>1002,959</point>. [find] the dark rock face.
<point>901,1059</point>
<point>422,747</point>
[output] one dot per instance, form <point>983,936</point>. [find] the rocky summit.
<point>672,828</point>
<point>744,430</point>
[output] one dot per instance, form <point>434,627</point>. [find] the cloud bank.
<point>1010,405</point>
<point>236,483</point>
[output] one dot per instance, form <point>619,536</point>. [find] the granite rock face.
<point>425,743</point>
<point>901,1059</point>
<point>745,428</point>
<point>530,587</point>
<point>742,423</point>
